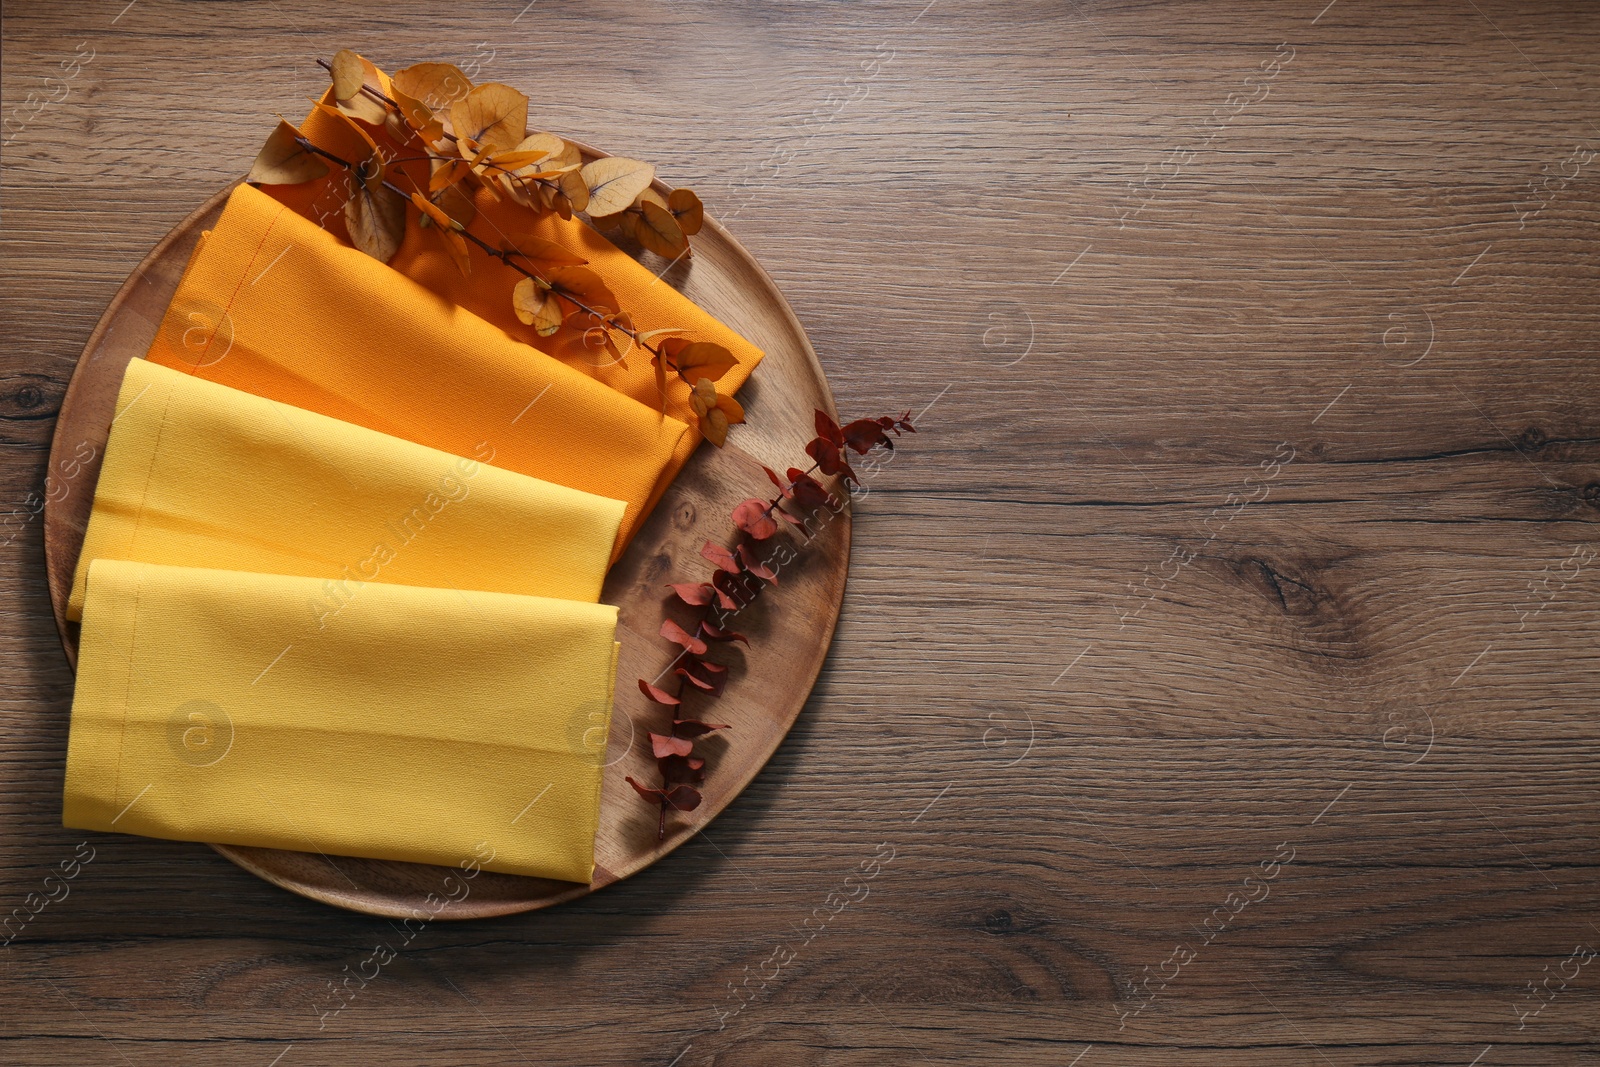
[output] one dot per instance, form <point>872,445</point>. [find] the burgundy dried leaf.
<point>754,518</point>
<point>829,430</point>
<point>783,486</point>
<point>720,555</point>
<point>682,768</point>
<point>663,745</point>
<point>711,677</point>
<point>827,455</point>
<point>808,492</point>
<point>790,519</point>
<point>687,728</point>
<point>660,696</point>
<point>683,797</point>
<point>733,589</point>
<point>699,594</point>
<point>863,435</point>
<point>648,792</point>
<point>679,636</point>
<point>694,679</point>
<point>904,423</point>
<point>755,566</point>
<point>714,634</point>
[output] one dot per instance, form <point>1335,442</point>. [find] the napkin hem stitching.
<point>127,692</point>
<point>249,264</point>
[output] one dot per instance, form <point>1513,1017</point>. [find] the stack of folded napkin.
<point>339,586</point>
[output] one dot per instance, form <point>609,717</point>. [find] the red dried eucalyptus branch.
<point>739,577</point>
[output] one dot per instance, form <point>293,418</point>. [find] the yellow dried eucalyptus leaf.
<point>348,74</point>
<point>363,107</point>
<point>370,172</point>
<point>614,182</point>
<point>535,307</point>
<point>375,215</point>
<point>523,192</point>
<point>585,289</point>
<point>418,116</point>
<point>542,253</point>
<point>282,161</point>
<point>447,172</point>
<point>704,396</point>
<point>431,211</point>
<point>714,425</point>
<point>526,300</point>
<point>434,85</point>
<point>456,202</point>
<point>687,209</point>
<point>516,160</point>
<point>350,124</point>
<point>529,156</point>
<point>494,116</point>
<point>714,411</point>
<point>396,126</point>
<point>658,231</point>
<point>575,189</point>
<point>701,361</point>
<point>568,156</point>
<point>351,73</point>
<point>610,344</point>
<point>456,245</point>
<point>547,146</point>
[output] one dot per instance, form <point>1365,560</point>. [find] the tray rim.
<point>482,909</point>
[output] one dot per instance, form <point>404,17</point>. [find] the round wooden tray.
<point>790,627</point>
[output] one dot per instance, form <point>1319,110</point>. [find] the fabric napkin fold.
<point>274,305</point>
<point>645,293</point>
<point>426,725</point>
<point>642,293</point>
<point>200,475</point>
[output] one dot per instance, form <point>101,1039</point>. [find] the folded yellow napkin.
<point>641,291</point>
<point>200,475</point>
<point>274,305</point>
<point>427,725</point>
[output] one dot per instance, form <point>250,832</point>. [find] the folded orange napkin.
<point>200,475</point>
<point>427,725</point>
<point>274,305</point>
<point>642,293</point>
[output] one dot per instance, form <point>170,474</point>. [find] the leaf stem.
<point>379,95</point>
<point>792,483</point>
<point>505,256</point>
<point>389,102</point>
<point>606,321</point>
<point>676,712</point>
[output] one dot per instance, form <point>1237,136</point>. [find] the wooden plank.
<point>1088,677</point>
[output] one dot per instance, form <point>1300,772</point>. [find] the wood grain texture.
<point>1080,692</point>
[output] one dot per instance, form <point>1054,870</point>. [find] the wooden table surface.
<point>1217,678</point>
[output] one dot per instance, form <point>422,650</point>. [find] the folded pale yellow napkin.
<point>428,725</point>
<point>273,304</point>
<point>200,475</point>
